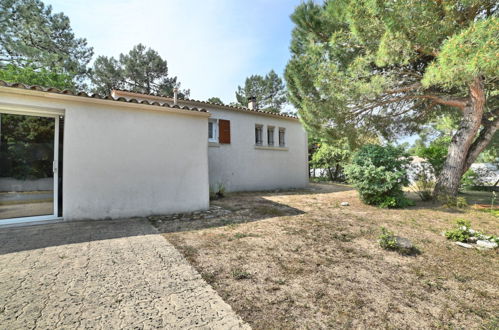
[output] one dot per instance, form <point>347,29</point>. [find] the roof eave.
<point>100,101</point>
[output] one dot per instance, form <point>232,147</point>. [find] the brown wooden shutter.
<point>224,131</point>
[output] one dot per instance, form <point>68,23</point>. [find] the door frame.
<point>15,109</point>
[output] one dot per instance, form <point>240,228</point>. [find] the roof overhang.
<point>99,101</point>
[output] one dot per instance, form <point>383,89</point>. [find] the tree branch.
<point>453,102</point>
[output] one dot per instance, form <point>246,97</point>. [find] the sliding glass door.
<point>28,167</point>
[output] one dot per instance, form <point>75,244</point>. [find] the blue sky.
<point>211,45</point>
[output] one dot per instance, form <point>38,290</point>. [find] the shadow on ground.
<point>234,209</point>
<point>23,238</point>
<point>231,210</point>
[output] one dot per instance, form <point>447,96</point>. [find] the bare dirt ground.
<point>300,260</point>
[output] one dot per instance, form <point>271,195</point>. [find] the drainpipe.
<point>175,96</point>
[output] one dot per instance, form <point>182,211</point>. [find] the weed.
<point>387,239</point>
<point>189,251</point>
<point>239,274</point>
<point>217,191</point>
<point>461,278</point>
<point>209,277</point>
<point>343,237</point>
<point>451,201</point>
<point>242,235</point>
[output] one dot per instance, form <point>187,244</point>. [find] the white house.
<point>249,149</point>
<point>135,155</point>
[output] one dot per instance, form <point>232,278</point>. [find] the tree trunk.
<point>459,154</point>
<point>330,173</point>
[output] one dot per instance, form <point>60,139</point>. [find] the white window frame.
<point>214,122</point>
<point>50,113</point>
<point>283,144</point>
<point>261,134</point>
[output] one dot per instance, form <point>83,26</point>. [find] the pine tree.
<point>32,36</point>
<point>141,70</point>
<point>389,67</point>
<point>269,91</point>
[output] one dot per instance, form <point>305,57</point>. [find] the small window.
<point>258,135</point>
<point>282,133</point>
<point>270,135</point>
<point>212,130</point>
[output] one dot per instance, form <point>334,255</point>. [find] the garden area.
<point>300,259</point>
<point>379,252</point>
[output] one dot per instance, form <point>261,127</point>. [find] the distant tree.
<point>269,91</point>
<point>254,86</point>
<point>32,36</point>
<point>215,100</point>
<point>26,146</point>
<point>331,157</point>
<point>389,67</point>
<point>32,76</point>
<point>141,70</point>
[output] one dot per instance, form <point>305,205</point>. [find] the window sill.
<point>271,148</point>
<point>213,144</point>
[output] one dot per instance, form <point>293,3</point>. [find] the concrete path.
<point>102,275</point>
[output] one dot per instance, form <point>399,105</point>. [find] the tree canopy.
<point>141,70</point>
<point>215,100</point>
<point>32,36</point>
<point>389,67</point>
<point>32,76</point>
<point>269,91</point>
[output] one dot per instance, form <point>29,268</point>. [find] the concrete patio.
<point>102,274</point>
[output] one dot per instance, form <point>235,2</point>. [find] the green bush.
<point>435,153</point>
<point>379,173</point>
<point>453,201</point>
<point>387,239</point>
<point>461,233</point>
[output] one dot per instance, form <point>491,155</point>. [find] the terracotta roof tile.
<point>212,104</point>
<point>96,96</point>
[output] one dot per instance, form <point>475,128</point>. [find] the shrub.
<point>332,159</point>
<point>387,239</point>
<point>452,201</point>
<point>461,233</point>
<point>424,183</point>
<point>435,152</point>
<point>379,173</point>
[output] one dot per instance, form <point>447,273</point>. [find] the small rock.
<point>486,244</point>
<point>403,243</point>
<point>471,231</point>
<point>345,204</point>
<point>472,240</point>
<point>464,245</point>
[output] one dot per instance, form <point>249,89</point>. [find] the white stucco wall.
<point>240,166</point>
<point>123,162</point>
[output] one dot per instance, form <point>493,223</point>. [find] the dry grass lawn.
<point>300,260</point>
